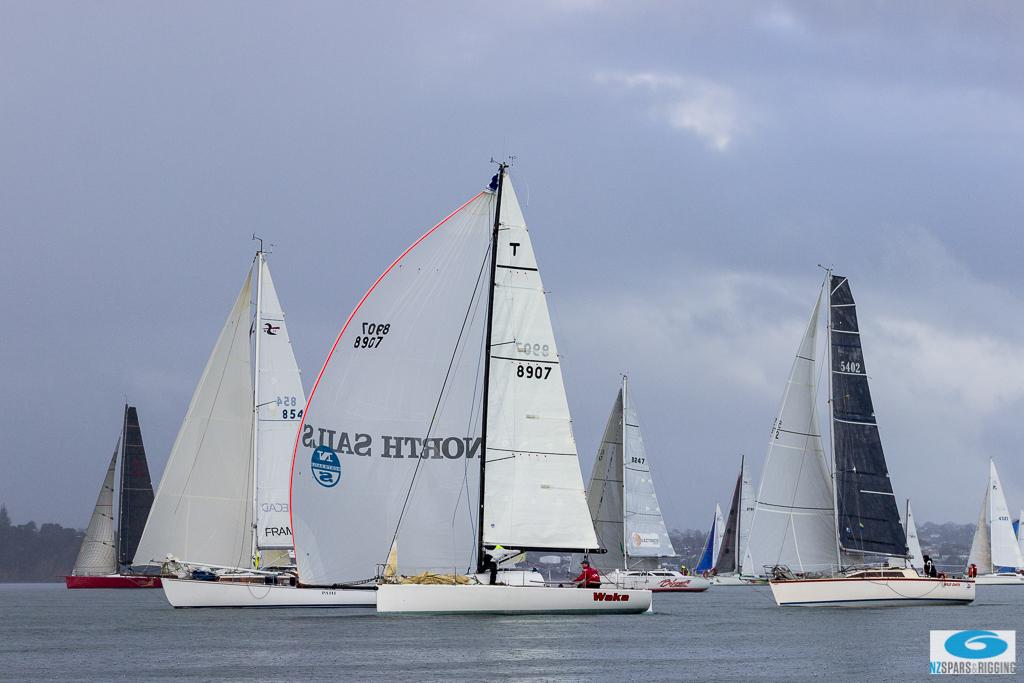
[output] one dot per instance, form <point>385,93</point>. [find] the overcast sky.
<point>684,168</point>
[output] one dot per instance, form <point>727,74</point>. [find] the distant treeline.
<point>36,553</point>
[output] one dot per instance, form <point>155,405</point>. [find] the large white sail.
<point>719,532</point>
<point>981,544</point>
<point>1005,551</point>
<point>794,515</point>
<point>533,494</point>
<point>915,558</point>
<point>646,535</point>
<point>397,402</point>
<point>746,508</point>
<point>202,512</point>
<point>604,494</point>
<point>97,556</point>
<point>280,404</point>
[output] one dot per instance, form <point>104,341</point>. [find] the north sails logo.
<point>600,596</point>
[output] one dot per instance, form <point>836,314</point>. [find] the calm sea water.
<point>48,632</point>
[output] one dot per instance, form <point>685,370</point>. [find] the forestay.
<point>793,522</point>
<point>136,489</point>
<point>97,556</point>
<point>646,536</point>
<point>393,420</point>
<point>604,495</point>
<point>533,494</point>
<point>203,508</point>
<point>869,519</point>
<point>280,404</point>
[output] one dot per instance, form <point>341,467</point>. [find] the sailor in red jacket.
<point>589,577</point>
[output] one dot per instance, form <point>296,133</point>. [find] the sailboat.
<point>816,526</point>
<point>736,533</point>
<point>220,523</point>
<point>995,550</point>
<point>437,443</point>
<point>106,557</point>
<point>624,508</point>
<point>712,545</point>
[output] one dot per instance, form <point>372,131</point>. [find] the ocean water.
<point>725,634</point>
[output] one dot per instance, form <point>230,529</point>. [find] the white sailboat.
<point>736,534</point>
<point>438,432</point>
<point>625,511</point>
<point>221,513</point>
<point>995,551</point>
<point>816,526</point>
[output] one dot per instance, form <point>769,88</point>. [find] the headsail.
<point>97,557</point>
<point>280,404</point>
<point>793,522</point>
<point>604,495</point>
<point>646,537</point>
<point>533,495</point>
<point>712,544</point>
<point>202,512</point>
<point>981,545</point>
<point>869,520</point>
<point>915,558</point>
<point>1005,551</point>
<point>136,489</point>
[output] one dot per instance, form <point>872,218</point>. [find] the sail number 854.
<point>372,336</point>
<point>533,371</point>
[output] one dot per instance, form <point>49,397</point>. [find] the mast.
<point>257,326</point>
<point>831,415</point>
<point>121,560</point>
<point>487,365</point>
<point>625,545</point>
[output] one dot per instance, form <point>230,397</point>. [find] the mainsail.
<point>280,402</point>
<point>202,512</point>
<point>868,518</point>
<point>793,523</point>
<point>97,555</point>
<point>981,545</point>
<point>737,524</point>
<point>136,496</point>
<point>915,558</point>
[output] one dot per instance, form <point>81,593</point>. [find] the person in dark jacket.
<point>589,577</point>
<point>929,567</point>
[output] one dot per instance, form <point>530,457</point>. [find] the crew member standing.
<point>589,577</point>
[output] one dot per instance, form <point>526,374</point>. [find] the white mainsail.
<point>719,532</point>
<point>202,512</point>
<point>746,508</point>
<point>605,492</point>
<point>97,556</point>
<point>533,494</point>
<point>646,534</point>
<point>1005,551</point>
<point>794,515</point>
<point>981,545</point>
<point>280,402</point>
<point>915,558</point>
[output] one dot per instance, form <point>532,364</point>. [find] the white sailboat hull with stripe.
<point>658,581</point>
<point>253,592</point>
<point>873,588</point>
<point>468,599</point>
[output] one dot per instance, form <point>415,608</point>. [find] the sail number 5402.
<point>372,336</point>
<point>849,366</point>
<point>533,371</point>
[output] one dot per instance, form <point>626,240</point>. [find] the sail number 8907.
<point>533,371</point>
<point>372,336</point>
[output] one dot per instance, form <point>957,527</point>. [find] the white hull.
<point>734,580</point>
<point>470,599</point>
<point>658,582</point>
<point>999,580</point>
<point>873,592</point>
<point>192,593</point>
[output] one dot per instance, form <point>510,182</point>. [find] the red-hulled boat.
<point>113,581</point>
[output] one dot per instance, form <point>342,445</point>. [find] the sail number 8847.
<point>372,336</point>
<point>533,371</point>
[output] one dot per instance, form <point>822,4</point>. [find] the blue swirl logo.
<point>975,645</point>
<point>326,466</point>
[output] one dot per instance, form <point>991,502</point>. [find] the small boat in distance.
<point>625,511</point>
<point>101,562</point>
<point>737,531</point>
<point>855,516</point>
<point>712,545</point>
<point>995,551</point>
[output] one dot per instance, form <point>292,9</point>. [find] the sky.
<point>684,168</point>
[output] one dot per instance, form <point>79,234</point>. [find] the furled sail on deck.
<point>869,519</point>
<point>604,495</point>
<point>97,555</point>
<point>136,489</point>
<point>202,512</point>
<point>1005,551</point>
<point>915,558</point>
<point>793,523</point>
<point>280,404</point>
<point>646,536</point>
<point>533,494</point>
<point>393,421</point>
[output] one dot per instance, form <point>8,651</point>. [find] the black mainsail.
<point>136,495</point>
<point>868,518</point>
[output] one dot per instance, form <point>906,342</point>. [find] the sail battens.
<point>808,434</point>
<point>97,555</point>
<point>502,265</point>
<point>878,493</point>
<point>855,422</point>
